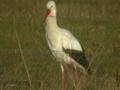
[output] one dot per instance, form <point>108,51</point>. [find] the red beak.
<point>46,14</point>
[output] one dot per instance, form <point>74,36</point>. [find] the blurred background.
<point>27,64</point>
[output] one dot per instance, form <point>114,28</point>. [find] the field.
<point>27,64</point>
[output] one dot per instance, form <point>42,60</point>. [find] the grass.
<point>95,24</point>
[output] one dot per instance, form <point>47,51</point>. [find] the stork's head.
<point>51,9</point>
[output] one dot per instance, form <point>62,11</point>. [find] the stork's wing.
<point>78,56</point>
<point>72,47</point>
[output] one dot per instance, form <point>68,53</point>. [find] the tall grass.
<point>95,24</point>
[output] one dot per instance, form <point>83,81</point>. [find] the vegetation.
<point>96,23</point>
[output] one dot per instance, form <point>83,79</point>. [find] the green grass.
<point>96,24</point>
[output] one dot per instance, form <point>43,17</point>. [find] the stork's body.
<point>63,45</point>
<point>60,40</point>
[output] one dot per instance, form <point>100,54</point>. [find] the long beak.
<point>46,14</point>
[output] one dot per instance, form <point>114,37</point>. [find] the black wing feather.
<point>78,56</point>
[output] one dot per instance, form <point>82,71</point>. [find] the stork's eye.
<point>51,6</point>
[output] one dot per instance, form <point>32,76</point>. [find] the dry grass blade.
<point>21,52</point>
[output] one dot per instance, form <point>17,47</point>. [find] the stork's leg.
<point>77,77</point>
<point>77,80</point>
<point>62,77</point>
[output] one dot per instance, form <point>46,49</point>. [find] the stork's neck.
<point>51,22</point>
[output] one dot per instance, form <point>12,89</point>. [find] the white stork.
<point>63,45</point>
